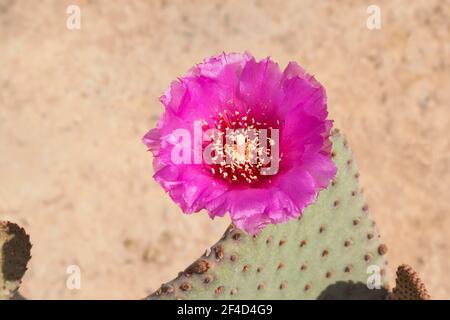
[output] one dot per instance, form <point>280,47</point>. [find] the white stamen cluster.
<point>245,150</point>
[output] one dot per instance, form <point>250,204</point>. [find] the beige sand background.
<point>74,105</point>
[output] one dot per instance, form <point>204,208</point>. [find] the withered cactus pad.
<point>408,285</point>
<point>15,249</point>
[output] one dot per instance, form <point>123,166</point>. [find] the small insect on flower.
<point>243,137</point>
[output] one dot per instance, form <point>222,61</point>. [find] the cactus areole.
<point>244,137</point>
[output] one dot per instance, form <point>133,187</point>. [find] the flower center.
<point>246,149</point>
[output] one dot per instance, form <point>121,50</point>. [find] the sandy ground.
<point>75,103</point>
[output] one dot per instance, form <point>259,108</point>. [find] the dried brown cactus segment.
<point>15,249</point>
<point>408,286</point>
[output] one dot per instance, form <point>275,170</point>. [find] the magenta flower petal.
<point>236,92</point>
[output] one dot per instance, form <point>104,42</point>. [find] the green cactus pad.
<point>326,254</point>
<point>14,255</point>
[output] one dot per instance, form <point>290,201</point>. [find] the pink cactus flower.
<point>264,130</point>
